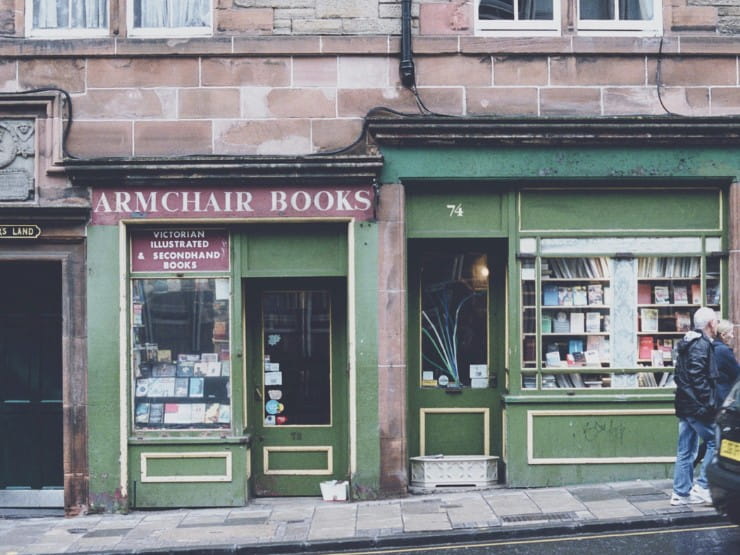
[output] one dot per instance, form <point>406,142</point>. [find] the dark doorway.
<point>31,467</point>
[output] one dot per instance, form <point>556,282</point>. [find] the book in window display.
<point>595,294</point>
<point>181,387</point>
<point>580,295</point>
<point>577,322</point>
<point>561,323</point>
<point>649,319</point>
<point>680,294</point>
<point>565,296</point>
<point>141,415</point>
<point>646,345</point>
<point>644,293</point>
<point>195,388</point>
<point>575,346</point>
<point>593,322</point>
<point>546,323</point>
<point>600,344</point>
<point>683,321</point>
<point>550,295</point>
<point>662,294</point>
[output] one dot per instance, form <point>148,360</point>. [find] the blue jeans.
<point>690,430</point>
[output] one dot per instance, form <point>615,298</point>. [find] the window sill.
<point>488,45</point>
<point>191,440</point>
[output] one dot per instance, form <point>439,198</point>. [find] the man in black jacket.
<point>696,405</point>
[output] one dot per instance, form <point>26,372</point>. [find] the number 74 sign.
<point>455,210</point>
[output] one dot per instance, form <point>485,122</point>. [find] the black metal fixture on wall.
<point>406,67</point>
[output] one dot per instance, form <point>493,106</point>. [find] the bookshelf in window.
<point>669,290</point>
<point>574,322</point>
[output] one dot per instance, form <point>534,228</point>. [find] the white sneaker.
<point>701,493</point>
<point>690,499</point>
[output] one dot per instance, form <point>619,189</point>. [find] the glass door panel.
<point>297,360</point>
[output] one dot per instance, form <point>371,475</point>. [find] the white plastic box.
<point>335,490</point>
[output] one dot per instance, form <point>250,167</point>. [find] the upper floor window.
<point>68,17</point>
<point>533,17</point>
<point>157,18</point>
<point>144,18</point>
<point>640,16</point>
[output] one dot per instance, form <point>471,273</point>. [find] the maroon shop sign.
<point>110,205</point>
<point>179,250</point>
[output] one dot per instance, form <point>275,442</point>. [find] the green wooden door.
<point>297,383</point>
<point>30,377</point>
<point>457,345</point>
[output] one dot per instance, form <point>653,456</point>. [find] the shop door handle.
<point>258,393</point>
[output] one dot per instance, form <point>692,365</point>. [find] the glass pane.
<point>575,321</point>
<point>524,9</point>
<point>297,357</point>
<point>535,9</point>
<point>454,319</point>
<point>172,13</point>
<point>70,14</point>
<point>181,357</point>
<point>596,9</point>
<point>496,9</point>
<point>636,9</point>
<point>668,293</point>
<point>529,314</point>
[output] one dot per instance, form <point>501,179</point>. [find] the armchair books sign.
<point>110,206</point>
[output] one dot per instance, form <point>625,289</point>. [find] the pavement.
<point>305,525</point>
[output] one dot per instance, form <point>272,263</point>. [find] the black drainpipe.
<point>406,67</point>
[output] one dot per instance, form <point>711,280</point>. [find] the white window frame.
<point>63,32</point>
<point>165,32</point>
<point>592,27</point>
<point>515,27</point>
<point>603,27</point>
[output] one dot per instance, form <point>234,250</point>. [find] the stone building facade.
<point>273,83</point>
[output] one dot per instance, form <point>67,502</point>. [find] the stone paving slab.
<point>287,521</point>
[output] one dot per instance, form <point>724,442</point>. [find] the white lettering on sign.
<point>179,249</point>
<point>230,202</point>
<point>455,210</point>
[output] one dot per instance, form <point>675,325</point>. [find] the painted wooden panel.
<point>457,210</point>
<point>208,475</point>
<point>600,436</point>
<point>294,250</point>
<point>450,432</point>
<point>194,467</point>
<point>639,209</point>
<point>298,460</point>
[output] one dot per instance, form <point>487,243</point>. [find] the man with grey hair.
<point>696,405</point>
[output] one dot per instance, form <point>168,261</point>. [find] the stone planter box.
<point>453,471</point>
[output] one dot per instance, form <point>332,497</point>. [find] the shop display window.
<point>180,353</point>
<point>297,357</point>
<point>574,334</point>
<point>454,314</point>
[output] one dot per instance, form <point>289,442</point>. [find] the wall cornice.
<point>220,170</point>
<point>627,131</point>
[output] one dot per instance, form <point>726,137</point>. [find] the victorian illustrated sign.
<point>179,250</point>
<point>110,206</point>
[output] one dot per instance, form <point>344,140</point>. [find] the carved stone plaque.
<point>16,159</point>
